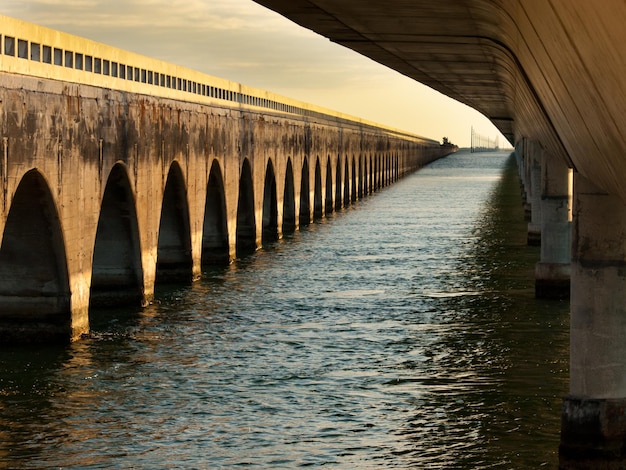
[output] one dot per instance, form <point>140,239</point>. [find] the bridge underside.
<point>550,75</point>
<point>546,70</point>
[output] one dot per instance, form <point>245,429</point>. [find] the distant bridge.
<point>118,171</point>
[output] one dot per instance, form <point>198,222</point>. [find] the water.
<point>403,332</point>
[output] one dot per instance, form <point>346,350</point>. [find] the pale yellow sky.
<point>244,42</point>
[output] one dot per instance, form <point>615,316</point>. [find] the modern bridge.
<point>119,172</point>
<point>550,75</point>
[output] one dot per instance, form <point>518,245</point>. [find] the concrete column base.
<point>552,280</point>
<point>593,433</point>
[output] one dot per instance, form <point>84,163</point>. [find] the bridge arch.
<point>245,240</point>
<point>305,195</point>
<point>365,177</point>
<point>371,176</point>
<point>318,207</point>
<point>338,192</point>
<point>270,206</point>
<point>355,179</point>
<point>395,168</point>
<point>117,272</point>
<point>373,172</point>
<point>376,185</point>
<point>383,170</point>
<point>34,280</point>
<point>289,201</point>
<point>346,182</point>
<point>215,244</point>
<point>360,178</point>
<point>328,204</point>
<point>174,258</point>
<point>387,170</point>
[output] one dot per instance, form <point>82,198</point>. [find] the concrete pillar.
<point>552,273</point>
<point>522,167</point>
<point>534,166</point>
<point>593,426</point>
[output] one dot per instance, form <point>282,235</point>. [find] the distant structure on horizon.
<point>481,143</point>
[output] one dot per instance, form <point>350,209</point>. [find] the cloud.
<point>182,15</point>
<point>234,39</point>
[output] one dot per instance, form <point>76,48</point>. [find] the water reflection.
<point>501,360</point>
<point>403,333</point>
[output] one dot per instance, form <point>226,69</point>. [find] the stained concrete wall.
<point>84,172</point>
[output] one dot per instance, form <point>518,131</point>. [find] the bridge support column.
<point>522,168</point>
<point>552,273</point>
<point>593,425</point>
<point>534,166</point>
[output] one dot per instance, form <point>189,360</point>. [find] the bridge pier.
<point>534,167</point>
<point>552,273</point>
<point>593,430</point>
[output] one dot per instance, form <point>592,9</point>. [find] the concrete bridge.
<point>550,75</point>
<point>118,171</point>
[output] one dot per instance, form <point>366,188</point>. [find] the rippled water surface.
<point>402,332</point>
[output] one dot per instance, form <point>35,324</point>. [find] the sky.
<point>242,41</point>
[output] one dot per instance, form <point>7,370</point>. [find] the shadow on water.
<point>530,336</point>
<point>509,370</point>
<point>50,394</point>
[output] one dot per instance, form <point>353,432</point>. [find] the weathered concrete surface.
<point>552,272</point>
<point>104,191</point>
<point>592,434</point>
<point>598,310</point>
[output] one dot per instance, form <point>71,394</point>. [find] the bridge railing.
<point>33,50</point>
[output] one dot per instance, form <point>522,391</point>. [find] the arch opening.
<point>246,225</point>
<point>370,182</point>
<point>328,201</point>
<point>318,208</point>
<point>305,195</point>
<point>383,171</point>
<point>174,260</point>
<point>338,192</point>
<point>360,178</point>
<point>289,201</point>
<point>387,170</point>
<point>215,247</point>
<point>269,226</point>
<point>346,183</point>
<point>34,281</point>
<point>353,188</point>
<point>397,168</point>
<point>366,178</point>
<point>376,170</point>
<point>117,274</point>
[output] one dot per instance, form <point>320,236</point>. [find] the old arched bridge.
<point>119,171</point>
